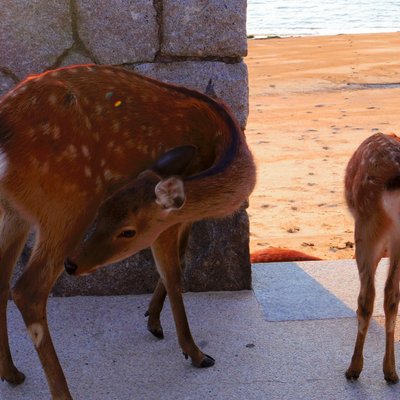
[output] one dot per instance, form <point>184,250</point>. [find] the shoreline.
<point>266,36</point>
<point>311,105</point>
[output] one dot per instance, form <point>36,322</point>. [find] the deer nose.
<point>70,267</point>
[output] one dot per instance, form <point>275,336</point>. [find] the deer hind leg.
<point>158,298</point>
<point>391,304</point>
<point>166,254</point>
<point>369,249</point>
<point>13,231</point>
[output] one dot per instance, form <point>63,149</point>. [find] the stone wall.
<point>181,41</point>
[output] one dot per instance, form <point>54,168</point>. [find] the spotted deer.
<point>372,188</point>
<point>81,137</point>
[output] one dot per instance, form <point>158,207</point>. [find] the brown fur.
<point>373,196</point>
<point>71,138</point>
<point>274,254</point>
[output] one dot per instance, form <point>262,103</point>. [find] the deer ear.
<point>170,193</point>
<point>175,161</point>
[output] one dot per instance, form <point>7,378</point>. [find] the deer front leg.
<point>166,254</point>
<point>14,232</point>
<point>368,254</point>
<point>391,305</point>
<point>158,298</point>
<point>30,294</point>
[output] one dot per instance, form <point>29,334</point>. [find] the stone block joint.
<point>158,6</point>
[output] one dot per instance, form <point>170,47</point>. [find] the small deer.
<point>372,188</point>
<point>81,137</point>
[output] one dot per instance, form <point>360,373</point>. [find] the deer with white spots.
<point>372,187</point>
<point>150,158</point>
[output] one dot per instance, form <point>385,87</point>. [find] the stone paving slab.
<point>312,290</point>
<point>107,352</point>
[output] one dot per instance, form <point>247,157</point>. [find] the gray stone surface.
<point>218,255</point>
<point>6,83</point>
<point>230,80</point>
<point>313,290</point>
<point>204,28</point>
<point>107,353</point>
<point>74,58</point>
<point>33,34</point>
<point>286,292</point>
<point>123,31</point>
<point>37,35</point>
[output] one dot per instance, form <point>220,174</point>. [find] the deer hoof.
<point>157,332</point>
<point>14,379</point>
<point>208,361</point>
<point>154,327</point>
<point>391,378</point>
<point>351,375</point>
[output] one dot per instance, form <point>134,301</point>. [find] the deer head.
<point>133,217</point>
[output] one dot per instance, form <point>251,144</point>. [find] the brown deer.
<point>372,187</point>
<point>72,138</point>
<point>278,254</point>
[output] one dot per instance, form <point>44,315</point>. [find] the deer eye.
<point>129,233</point>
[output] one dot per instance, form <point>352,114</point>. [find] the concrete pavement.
<point>290,338</point>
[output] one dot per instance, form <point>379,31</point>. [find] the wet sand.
<point>312,101</point>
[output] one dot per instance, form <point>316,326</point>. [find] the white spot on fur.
<point>22,88</point>
<point>46,128</point>
<point>88,172</point>
<point>85,151</point>
<point>53,99</point>
<point>36,332</point>
<point>115,127</point>
<point>56,132</point>
<point>108,175</point>
<point>3,163</point>
<point>119,150</point>
<point>98,108</point>
<point>99,184</point>
<point>72,152</point>
<point>88,123</point>
<point>45,168</point>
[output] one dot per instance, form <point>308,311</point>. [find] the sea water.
<point>319,17</point>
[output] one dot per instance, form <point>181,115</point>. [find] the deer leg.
<point>154,310</point>
<point>391,304</point>
<point>30,294</point>
<point>14,231</point>
<point>166,254</point>
<point>368,254</point>
<point>158,298</point>
<point>33,287</point>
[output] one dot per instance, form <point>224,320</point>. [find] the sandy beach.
<point>312,101</point>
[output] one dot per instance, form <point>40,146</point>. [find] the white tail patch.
<point>36,332</point>
<point>391,204</point>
